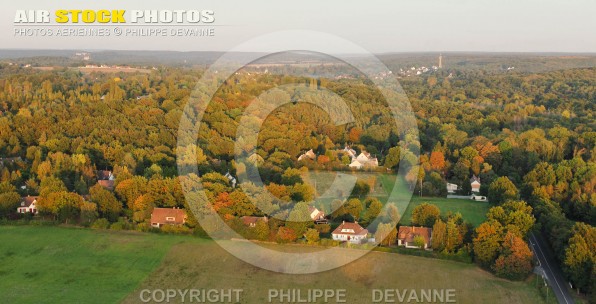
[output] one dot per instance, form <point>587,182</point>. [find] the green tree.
<point>354,207</point>
<point>361,189</point>
<point>261,230</point>
<point>312,236</point>
<point>109,207</point>
<point>299,219</point>
<point>9,202</point>
<point>453,238</point>
<point>514,216</point>
<point>502,190</point>
<point>580,256</point>
<point>439,235</point>
<point>373,209</point>
<point>393,157</point>
<point>419,241</point>
<point>302,193</point>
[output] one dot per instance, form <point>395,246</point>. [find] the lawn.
<point>472,211</point>
<point>74,265</point>
<point>206,265</point>
<point>382,185</point>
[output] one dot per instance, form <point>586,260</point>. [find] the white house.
<point>364,159</point>
<point>451,188</point>
<point>351,152</point>
<point>356,164</point>
<point>28,205</point>
<point>349,232</point>
<point>316,215</point>
<point>475,183</point>
<point>367,160</point>
<point>309,154</point>
<point>231,178</point>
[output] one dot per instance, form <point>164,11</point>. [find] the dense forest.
<point>529,137</point>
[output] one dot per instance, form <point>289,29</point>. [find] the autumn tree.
<point>515,259</point>
<point>386,234</point>
<point>437,161</point>
<point>425,214</point>
<point>487,243</point>
<point>285,235</point>
<point>312,236</point>
<point>439,235</point>
<point>63,205</point>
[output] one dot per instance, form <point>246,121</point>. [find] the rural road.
<point>554,275</point>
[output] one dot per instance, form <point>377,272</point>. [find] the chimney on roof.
<point>343,222</point>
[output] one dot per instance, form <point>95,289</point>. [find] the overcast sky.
<point>378,26</point>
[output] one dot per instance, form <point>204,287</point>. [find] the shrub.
<point>101,223</point>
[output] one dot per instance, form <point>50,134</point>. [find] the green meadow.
<point>74,265</point>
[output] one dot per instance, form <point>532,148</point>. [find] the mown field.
<point>472,211</point>
<point>206,265</point>
<point>70,265</point>
<point>74,265</point>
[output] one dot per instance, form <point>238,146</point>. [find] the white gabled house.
<point>317,215</point>
<point>364,159</point>
<point>350,232</point>
<point>475,183</point>
<point>28,205</point>
<point>356,164</point>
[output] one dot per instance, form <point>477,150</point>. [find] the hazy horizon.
<point>525,26</point>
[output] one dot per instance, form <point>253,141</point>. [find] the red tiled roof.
<point>108,184</point>
<point>168,216</point>
<point>407,233</point>
<point>28,200</point>
<point>350,229</point>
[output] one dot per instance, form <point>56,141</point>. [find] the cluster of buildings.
<point>105,178</point>
<point>357,161</point>
<point>345,232</point>
<point>364,159</point>
<point>474,183</point>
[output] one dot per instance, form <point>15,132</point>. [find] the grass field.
<point>472,211</point>
<point>70,265</point>
<point>206,265</point>
<point>73,265</point>
<point>382,186</point>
